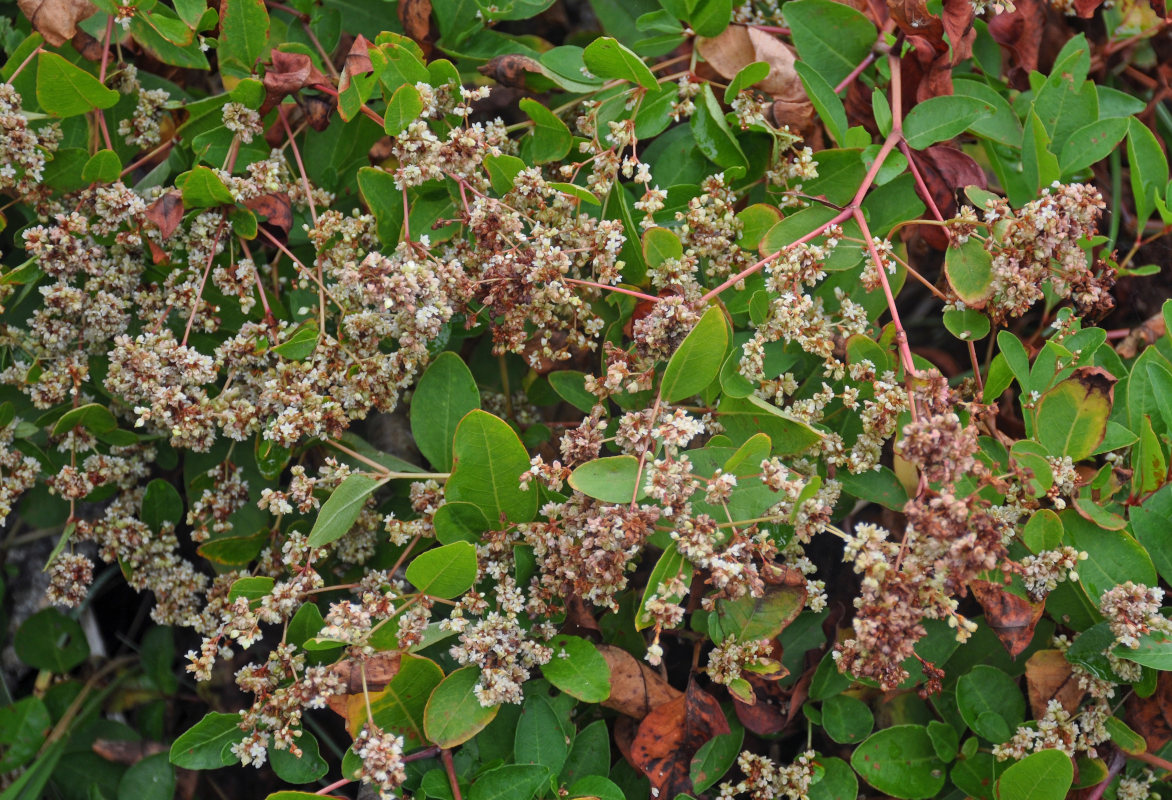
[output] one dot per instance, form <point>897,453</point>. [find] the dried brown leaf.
<point>415,16</point>
<point>275,208</point>
<point>56,20</point>
<point>1151,717</point>
<point>1012,618</point>
<point>510,70</point>
<point>1021,32</point>
<point>670,735</point>
<point>739,46</point>
<point>1049,676</point>
<point>166,213</point>
<point>288,74</point>
<point>636,689</point>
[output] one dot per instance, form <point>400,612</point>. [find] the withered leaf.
<point>775,706</point>
<point>1049,676</point>
<point>739,46</point>
<point>415,16</point>
<point>289,73</point>
<point>1151,717</point>
<point>636,689</point>
<point>670,735</point>
<point>56,20</point>
<point>509,70</point>
<point>944,170</point>
<point>1012,618</point>
<point>166,213</point>
<point>1021,32</point>
<point>275,208</point>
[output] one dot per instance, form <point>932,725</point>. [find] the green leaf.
<point>1114,557</point>
<point>1152,525</point>
<point>660,244</point>
<point>252,588</point>
<point>309,767</point>
<point>203,188</point>
<point>459,522</point>
<point>711,17</point>
<point>1042,532</point>
<point>488,460</point>
<point>551,139</point>
<point>607,58</point>
<point>1039,164</point>
<point>828,104</point>
<point>244,34</point>
<point>23,727</point>
<point>748,618</point>
<point>1091,143</point>
<point>1148,168</point>
<point>611,479</point>
<point>670,565</point>
<point>339,512</point>
<point>300,345</point>
<point>901,762</point>
<point>510,782</point>
<point>696,362</point>
<point>206,745</point>
<point>748,416</point>
<point>712,134</point>
<point>1124,737</point>
<point>838,781</point>
<point>1153,651</point>
<point>161,505</point>
<point>103,167</point>
<point>94,417</point>
<point>1002,124</point>
<point>938,119</point>
<point>969,268</point>
<point>1149,468</point>
<point>967,324</point>
<point>152,778</point>
<point>453,714</point>
<point>403,108</point>
<point>444,396</point>
<point>747,76</point>
<point>51,641</point>
<point>831,37</point>
<point>399,707</point>
<point>578,669</point>
<point>715,758</point>
<point>1072,417</point>
<point>385,202</point>
<point>1044,775</point>
<point>846,719</point>
<point>945,739</point>
<point>877,486</point>
<point>589,755</point>
<point>446,571</point>
<point>66,90</point>
<point>990,703</point>
<point>540,738</point>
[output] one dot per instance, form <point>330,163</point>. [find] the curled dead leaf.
<point>636,689</point>
<point>288,74</point>
<point>669,737</point>
<point>1011,617</point>
<point>275,208</point>
<point>379,668</point>
<point>510,70</point>
<point>1049,676</point>
<point>56,20</point>
<point>1150,331</point>
<point>1020,31</point>
<point>415,16</point>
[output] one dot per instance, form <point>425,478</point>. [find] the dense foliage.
<point>530,400</point>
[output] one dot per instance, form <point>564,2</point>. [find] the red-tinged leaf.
<point>288,74</point>
<point>166,213</point>
<point>1020,31</point>
<point>669,737</point>
<point>1012,618</point>
<point>275,208</point>
<point>945,169</point>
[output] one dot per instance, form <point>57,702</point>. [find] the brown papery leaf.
<point>415,16</point>
<point>1049,676</point>
<point>636,689</point>
<point>275,208</point>
<point>945,170</point>
<point>1012,618</point>
<point>510,70</point>
<point>738,46</point>
<point>288,74</point>
<point>56,20</point>
<point>670,735</point>
<point>166,213</point>
<point>1151,717</point>
<point>1021,32</point>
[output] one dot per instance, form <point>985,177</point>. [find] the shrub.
<point>474,394</point>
